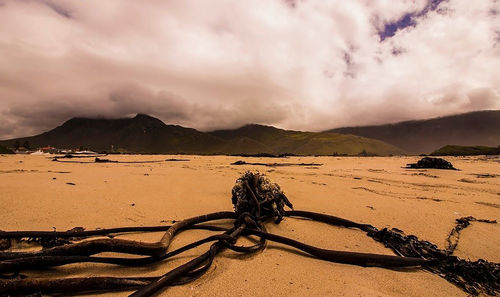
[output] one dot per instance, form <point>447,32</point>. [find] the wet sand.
<point>37,194</point>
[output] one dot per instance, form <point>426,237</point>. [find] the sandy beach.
<point>38,194</point>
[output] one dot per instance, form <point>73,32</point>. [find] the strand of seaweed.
<point>461,224</point>
<point>473,277</point>
<point>256,202</point>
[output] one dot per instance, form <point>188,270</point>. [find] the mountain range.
<point>480,128</point>
<point>146,134</point>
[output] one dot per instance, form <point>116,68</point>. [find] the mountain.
<point>141,134</point>
<point>146,134</point>
<point>279,141</point>
<point>481,128</point>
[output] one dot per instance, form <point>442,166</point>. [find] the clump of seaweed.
<point>256,200</point>
<point>257,195</point>
<point>431,163</point>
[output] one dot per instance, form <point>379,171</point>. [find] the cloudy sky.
<point>296,64</point>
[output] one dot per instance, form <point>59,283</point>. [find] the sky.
<point>307,65</point>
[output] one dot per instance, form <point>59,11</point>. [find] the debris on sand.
<point>431,163</point>
<point>264,155</point>
<point>177,160</point>
<point>494,205</point>
<point>469,181</point>
<point>240,162</point>
<point>72,156</point>
<point>100,160</point>
<point>474,277</point>
<point>461,224</point>
<point>486,175</point>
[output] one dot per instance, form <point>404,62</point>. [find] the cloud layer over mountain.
<point>298,64</point>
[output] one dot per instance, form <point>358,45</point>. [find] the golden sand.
<point>34,195</point>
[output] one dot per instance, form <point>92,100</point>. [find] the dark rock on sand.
<point>432,163</point>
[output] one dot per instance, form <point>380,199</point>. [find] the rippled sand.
<point>35,194</point>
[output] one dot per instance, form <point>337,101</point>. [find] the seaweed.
<point>256,201</point>
<point>461,224</point>
<point>473,277</point>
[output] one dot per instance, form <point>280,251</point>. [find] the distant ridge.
<point>279,141</point>
<point>146,134</point>
<point>4,150</point>
<point>458,150</point>
<point>481,128</point>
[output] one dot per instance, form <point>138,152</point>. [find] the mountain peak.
<point>143,116</point>
<point>145,120</point>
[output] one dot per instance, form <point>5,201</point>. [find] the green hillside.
<point>457,150</point>
<point>279,141</point>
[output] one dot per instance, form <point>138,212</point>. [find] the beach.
<point>39,194</point>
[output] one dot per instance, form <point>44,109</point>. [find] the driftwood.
<point>256,201</point>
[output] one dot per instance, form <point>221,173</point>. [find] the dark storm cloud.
<point>309,65</point>
<point>129,100</point>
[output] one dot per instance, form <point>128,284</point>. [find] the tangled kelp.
<point>256,201</point>
<point>473,277</point>
<point>255,194</point>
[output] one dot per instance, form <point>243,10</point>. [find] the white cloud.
<point>218,64</point>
